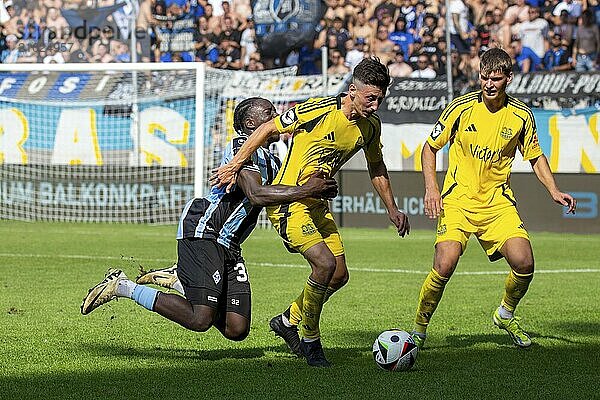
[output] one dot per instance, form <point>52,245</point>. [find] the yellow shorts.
<point>301,225</point>
<point>492,229</point>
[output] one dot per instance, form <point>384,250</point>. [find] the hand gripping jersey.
<point>227,218</point>
<point>482,149</point>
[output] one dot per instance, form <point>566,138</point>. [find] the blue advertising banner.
<point>37,126</point>
<point>36,133</point>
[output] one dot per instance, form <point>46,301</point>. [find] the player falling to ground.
<point>326,133</point>
<point>484,130</point>
<point>210,270</point>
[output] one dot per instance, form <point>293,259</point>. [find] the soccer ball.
<point>395,350</point>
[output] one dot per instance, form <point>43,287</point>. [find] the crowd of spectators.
<point>408,35</point>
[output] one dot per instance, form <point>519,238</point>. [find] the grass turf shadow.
<point>467,367</point>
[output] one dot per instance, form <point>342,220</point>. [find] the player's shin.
<point>312,305</point>
<point>293,314</point>
<point>429,297</point>
<point>515,287</point>
<point>328,293</point>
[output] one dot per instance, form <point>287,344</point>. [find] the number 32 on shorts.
<point>241,270</point>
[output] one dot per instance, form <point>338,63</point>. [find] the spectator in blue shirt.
<point>557,57</point>
<point>527,60</point>
<point>32,32</point>
<point>206,49</point>
<point>308,60</point>
<point>401,37</point>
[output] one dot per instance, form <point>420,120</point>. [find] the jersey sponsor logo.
<point>289,117</point>
<point>437,130</point>
<point>471,128</point>
<point>485,154</point>
<point>330,136</point>
<point>216,277</point>
<point>521,226</point>
<point>506,133</point>
<point>213,299</point>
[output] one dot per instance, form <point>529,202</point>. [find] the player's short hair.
<point>370,71</point>
<point>495,60</point>
<point>243,110</point>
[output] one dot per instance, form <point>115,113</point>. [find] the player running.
<point>210,270</point>
<point>484,130</point>
<point>327,132</point>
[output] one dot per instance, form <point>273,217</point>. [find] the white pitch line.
<point>412,271</point>
<point>273,265</point>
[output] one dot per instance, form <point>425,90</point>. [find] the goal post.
<point>115,142</point>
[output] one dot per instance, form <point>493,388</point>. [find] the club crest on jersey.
<point>217,277</point>
<point>437,130</point>
<point>289,117</point>
<point>308,229</point>
<point>441,230</point>
<point>506,133</point>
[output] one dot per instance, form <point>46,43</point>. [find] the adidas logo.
<point>330,136</point>
<point>472,128</point>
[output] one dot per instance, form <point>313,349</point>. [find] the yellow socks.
<point>294,311</point>
<point>515,287</point>
<point>312,304</point>
<point>431,293</point>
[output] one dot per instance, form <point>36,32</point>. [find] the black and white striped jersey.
<point>228,218</point>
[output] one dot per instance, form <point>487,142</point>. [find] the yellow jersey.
<point>482,149</point>
<point>324,139</point>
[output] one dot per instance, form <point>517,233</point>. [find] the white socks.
<point>179,287</point>
<point>286,321</point>
<point>125,288</point>
<point>504,313</point>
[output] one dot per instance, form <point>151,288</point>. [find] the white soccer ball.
<point>395,350</point>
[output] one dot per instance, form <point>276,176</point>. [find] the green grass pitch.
<point>48,350</point>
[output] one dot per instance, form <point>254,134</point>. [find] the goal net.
<point>115,142</point>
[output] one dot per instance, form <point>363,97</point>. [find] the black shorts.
<point>213,276</point>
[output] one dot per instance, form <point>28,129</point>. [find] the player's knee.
<point>444,267</point>
<point>328,267</point>
<point>523,265</point>
<point>325,265</point>
<point>199,323</point>
<point>339,280</point>
<point>237,332</point>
